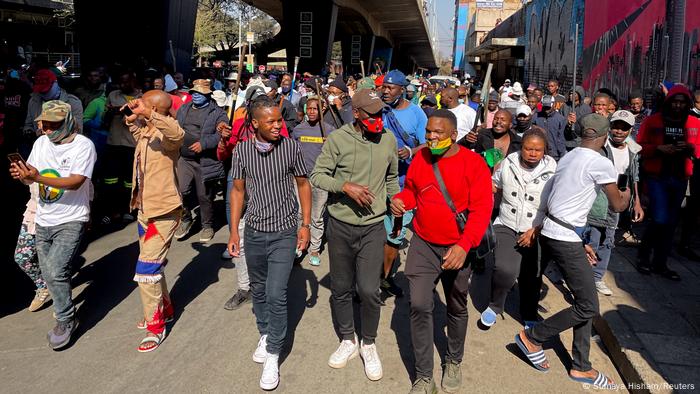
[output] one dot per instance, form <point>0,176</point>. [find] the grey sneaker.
<point>603,288</point>
<point>183,229</point>
<point>206,234</point>
<point>423,386</point>
<point>451,377</point>
<point>241,297</point>
<point>60,335</point>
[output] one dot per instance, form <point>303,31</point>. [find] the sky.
<point>445,15</point>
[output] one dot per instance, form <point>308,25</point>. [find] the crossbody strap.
<point>443,188</point>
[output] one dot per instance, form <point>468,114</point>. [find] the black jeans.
<point>572,261</point>
<point>270,257</point>
<point>189,174</point>
<point>116,183</point>
<point>509,262</point>
<point>356,255</point>
<point>423,272</point>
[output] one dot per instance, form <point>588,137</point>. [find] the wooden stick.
<point>362,67</point>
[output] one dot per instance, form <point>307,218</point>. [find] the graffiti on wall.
<point>638,43</point>
<point>549,37</point>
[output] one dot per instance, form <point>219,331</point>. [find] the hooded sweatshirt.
<point>347,156</point>
<point>572,134</point>
<point>654,132</point>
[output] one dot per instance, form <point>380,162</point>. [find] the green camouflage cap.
<point>365,83</point>
<point>599,124</point>
<point>54,111</point>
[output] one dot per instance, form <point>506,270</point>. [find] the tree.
<point>217,24</point>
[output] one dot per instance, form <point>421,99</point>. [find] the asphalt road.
<point>208,349</point>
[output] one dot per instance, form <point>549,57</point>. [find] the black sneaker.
<point>643,268</point>
<point>688,253</point>
<point>183,229</point>
<point>241,297</point>
<point>391,287</point>
<point>667,273</point>
<point>60,335</point>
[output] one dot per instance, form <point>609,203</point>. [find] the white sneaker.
<point>270,378</point>
<point>261,351</point>
<point>373,366</point>
<point>603,288</point>
<point>345,352</point>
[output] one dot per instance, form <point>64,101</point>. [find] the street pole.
<point>240,37</point>
<point>573,88</point>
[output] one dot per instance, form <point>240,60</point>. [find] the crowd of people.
<point>507,184</point>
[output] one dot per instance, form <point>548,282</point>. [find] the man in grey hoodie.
<point>358,166</point>
<point>573,110</point>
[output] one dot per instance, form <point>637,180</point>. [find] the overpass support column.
<point>308,30</point>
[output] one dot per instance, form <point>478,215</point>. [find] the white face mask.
<point>332,97</point>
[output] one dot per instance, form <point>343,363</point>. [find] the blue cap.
<point>396,77</point>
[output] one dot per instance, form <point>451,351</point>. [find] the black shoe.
<point>643,268</point>
<point>688,253</point>
<point>241,297</point>
<point>667,273</point>
<point>391,287</point>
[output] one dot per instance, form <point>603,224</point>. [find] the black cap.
<point>429,100</point>
<point>338,83</point>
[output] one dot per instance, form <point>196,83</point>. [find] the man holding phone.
<point>61,163</point>
<point>439,247</point>
<point>670,142</point>
<point>602,221</point>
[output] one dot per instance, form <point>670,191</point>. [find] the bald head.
<point>158,99</point>
<point>449,98</point>
<point>501,121</point>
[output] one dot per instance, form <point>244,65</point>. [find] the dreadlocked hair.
<point>250,108</point>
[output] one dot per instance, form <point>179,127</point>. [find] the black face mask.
<point>523,124</point>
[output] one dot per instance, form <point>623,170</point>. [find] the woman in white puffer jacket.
<point>523,180</point>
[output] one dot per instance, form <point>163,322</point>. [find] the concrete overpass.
<point>392,31</point>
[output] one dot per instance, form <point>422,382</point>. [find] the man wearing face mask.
<point>288,91</point>
<point>198,166</point>
<point>523,121</point>
<point>358,166</point>
<point>156,197</point>
<point>551,120</point>
<point>61,163</point>
<point>45,89</point>
<point>407,121</point>
<point>440,245</point>
<point>340,110</point>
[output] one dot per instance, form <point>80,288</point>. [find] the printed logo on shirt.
<point>49,194</point>
<point>315,140</point>
<point>13,101</point>
<point>65,164</point>
<point>674,134</point>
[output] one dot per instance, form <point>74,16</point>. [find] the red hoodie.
<point>468,180</point>
<point>653,133</point>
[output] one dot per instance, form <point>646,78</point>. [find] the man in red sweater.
<point>438,248</point>
<point>670,142</point>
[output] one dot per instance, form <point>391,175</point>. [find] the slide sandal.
<point>536,358</point>
<point>600,381</point>
<point>151,338</point>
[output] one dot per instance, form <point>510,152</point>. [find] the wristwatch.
<point>307,225</point>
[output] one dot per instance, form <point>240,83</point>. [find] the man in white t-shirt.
<point>580,174</point>
<point>61,163</point>
<point>449,98</point>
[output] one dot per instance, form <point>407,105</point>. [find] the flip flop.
<point>600,381</point>
<point>142,324</point>
<point>151,338</point>
<point>535,358</point>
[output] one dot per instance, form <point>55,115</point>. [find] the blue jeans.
<point>665,198</point>
<point>56,246</point>
<point>270,257</point>
<point>602,240</point>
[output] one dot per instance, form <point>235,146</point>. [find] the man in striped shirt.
<point>262,170</point>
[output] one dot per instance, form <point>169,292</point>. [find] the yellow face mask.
<point>439,147</point>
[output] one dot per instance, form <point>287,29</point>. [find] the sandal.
<point>151,338</point>
<point>599,382</point>
<point>536,358</point>
<point>142,324</point>
<point>628,238</point>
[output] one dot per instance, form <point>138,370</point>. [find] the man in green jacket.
<point>358,166</point>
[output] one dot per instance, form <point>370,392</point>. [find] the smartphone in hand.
<point>622,182</point>
<point>126,111</point>
<point>15,158</point>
